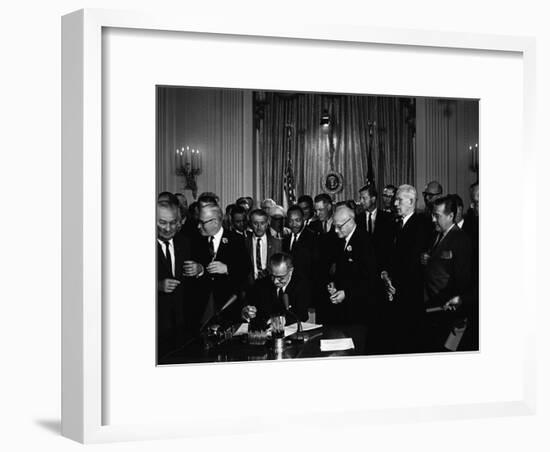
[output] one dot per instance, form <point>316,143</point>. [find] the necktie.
<point>258,255</point>
<point>211,247</point>
<point>369,223</point>
<point>324,226</point>
<point>293,241</point>
<point>400,223</point>
<point>169,257</point>
<point>437,240</point>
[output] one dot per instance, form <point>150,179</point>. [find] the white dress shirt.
<point>263,252</point>
<point>172,252</point>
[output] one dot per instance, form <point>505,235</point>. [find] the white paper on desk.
<point>292,328</point>
<point>332,345</point>
<point>243,329</point>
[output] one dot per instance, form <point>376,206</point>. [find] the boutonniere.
<point>349,248</point>
<point>224,240</point>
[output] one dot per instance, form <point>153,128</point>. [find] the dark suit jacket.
<point>449,269</point>
<point>383,235</point>
<point>355,274</point>
<point>274,245</point>
<point>171,306</point>
<point>404,267</point>
<point>264,296</point>
<point>304,252</point>
<point>231,252</point>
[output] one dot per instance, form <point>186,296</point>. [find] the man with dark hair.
<point>459,219</point>
<point>323,209</point>
<point>168,197</point>
<point>283,290</point>
<point>388,195</point>
<point>239,222</point>
<point>300,244</point>
<point>260,245</point>
<point>447,274</point>
<point>208,198</point>
<point>171,253</point>
<point>306,204</point>
<point>378,224</point>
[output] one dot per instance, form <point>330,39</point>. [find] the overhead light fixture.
<point>325,120</point>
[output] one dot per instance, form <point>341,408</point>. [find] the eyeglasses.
<point>340,226</point>
<point>204,223</point>
<point>430,195</point>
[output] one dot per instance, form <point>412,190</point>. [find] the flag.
<point>370,139</point>
<point>289,190</point>
<point>289,187</point>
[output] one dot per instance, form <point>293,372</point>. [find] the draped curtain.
<point>392,141</point>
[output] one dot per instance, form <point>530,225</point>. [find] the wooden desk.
<point>238,348</point>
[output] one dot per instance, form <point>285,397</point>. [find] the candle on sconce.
<point>176,159</point>
<point>199,155</point>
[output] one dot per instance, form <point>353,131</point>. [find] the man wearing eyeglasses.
<point>353,286</point>
<point>217,264</point>
<point>267,296</point>
<point>432,191</point>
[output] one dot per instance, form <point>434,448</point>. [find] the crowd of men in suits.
<point>407,278</point>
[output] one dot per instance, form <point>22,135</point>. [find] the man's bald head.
<point>432,191</point>
<point>344,221</point>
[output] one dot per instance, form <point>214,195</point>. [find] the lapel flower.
<point>349,248</point>
<point>224,240</point>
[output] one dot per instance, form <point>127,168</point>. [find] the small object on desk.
<point>243,329</point>
<point>332,345</point>
<point>306,326</point>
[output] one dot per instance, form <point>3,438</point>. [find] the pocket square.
<point>446,254</point>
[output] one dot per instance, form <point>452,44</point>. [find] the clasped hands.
<point>336,296</point>
<point>193,269</point>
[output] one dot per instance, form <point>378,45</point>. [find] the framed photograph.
<point>122,147</point>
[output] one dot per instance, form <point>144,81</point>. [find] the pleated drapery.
<point>392,141</point>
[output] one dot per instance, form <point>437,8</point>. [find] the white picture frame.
<point>85,396</point>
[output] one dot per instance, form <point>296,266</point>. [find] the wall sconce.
<point>188,164</point>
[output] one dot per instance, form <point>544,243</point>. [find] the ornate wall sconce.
<point>188,164</point>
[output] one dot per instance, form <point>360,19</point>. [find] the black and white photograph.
<point>312,225</point>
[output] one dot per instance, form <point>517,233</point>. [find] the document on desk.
<point>243,329</point>
<point>333,345</point>
<point>306,326</point>
<point>290,329</point>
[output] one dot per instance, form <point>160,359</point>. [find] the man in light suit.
<point>260,245</point>
<point>447,274</point>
